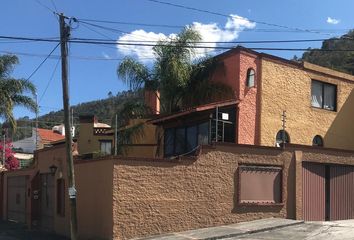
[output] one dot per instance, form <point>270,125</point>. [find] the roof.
<point>300,65</point>
<point>49,136</point>
<point>200,108</point>
<point>101,125</point>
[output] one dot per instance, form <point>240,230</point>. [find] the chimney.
<point>88,119</point>
<point>152,101</point>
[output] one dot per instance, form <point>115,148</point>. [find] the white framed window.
<point>250,77</point>
<point>106,147</point>
<point>323,95</point>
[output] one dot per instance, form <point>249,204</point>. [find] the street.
<point>269,229</point>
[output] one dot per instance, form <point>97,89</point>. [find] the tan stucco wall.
<point>88,142</point>
<point>94,193</point>
<point>94,199</point>
<point>286,87</point>
<point>151,197</point>
<point>144,144</point>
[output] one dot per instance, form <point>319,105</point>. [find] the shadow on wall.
<point>341,132</point>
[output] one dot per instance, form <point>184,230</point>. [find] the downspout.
<point>259,102</point>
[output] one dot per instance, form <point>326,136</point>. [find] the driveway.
<point>268,229</point>
<point>339,230</point>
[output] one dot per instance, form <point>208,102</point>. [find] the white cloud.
<point>332,20</point>
<point>210,32</point>
<point>106,56</point>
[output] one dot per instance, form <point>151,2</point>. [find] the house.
<point>316,103</point>
<point>193,183</point>
<point>24,148</point>
<point>43,137</point>
<point>94,137</point>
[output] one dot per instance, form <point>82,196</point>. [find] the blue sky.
<point>94,76</point>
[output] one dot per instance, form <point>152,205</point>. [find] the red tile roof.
<point>49,136</point>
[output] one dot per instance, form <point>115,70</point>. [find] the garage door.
<point>16,198</point>
<point>314,194</point>
<point>341,192</point>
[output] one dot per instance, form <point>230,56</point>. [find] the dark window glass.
<point>282,135</point>
<point>323,95</point>
<point>250,77</point>
<point>203,133</point>
<point>169,142</point>
<point>191,138</point>
<point>180,140</point>
<point>317,141</point>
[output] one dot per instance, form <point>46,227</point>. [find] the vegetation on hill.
<point>339,60</point>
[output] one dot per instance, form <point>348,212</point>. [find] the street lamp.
<point>53,169</point>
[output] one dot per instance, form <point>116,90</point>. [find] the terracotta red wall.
<point>247,108</point>
<point>232,71</point>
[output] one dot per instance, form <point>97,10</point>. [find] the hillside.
<point>341,61</point>
<point>104,109</point>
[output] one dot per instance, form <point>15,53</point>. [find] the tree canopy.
<point>180,77</point>
<point>339,60</point>
<point>13,92</point>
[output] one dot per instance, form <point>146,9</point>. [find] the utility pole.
<point>115,136</point>
<point>64,35</point>
<point>37,122</point>
<point>3,147</point>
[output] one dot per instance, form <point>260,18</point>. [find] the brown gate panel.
<point>314,195</point>
<point>341,192</point>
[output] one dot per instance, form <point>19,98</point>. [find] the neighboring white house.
<point>44,137</point>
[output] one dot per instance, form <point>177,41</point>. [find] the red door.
<point>314,192</point>
<point>341,192</point>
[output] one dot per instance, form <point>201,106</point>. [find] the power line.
<point>130,42</point>
<point>50,80</point>
<point>229,16</point>
<point>39,66</point>
<point>182,26</point>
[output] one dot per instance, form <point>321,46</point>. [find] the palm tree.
<point>181,80</point>
<point>13,91</point>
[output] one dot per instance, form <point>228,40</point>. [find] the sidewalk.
<point>228,231</point>
<point>16,231</point>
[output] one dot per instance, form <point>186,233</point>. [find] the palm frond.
<point>133,73</point>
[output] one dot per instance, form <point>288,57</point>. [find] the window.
<point>61,197</point>
<point>266,182</point>
<point>250,77</point>
<point>169,141</point>
<point>203,133</point>
<point>323,95</point>
<point>282,135</point>
<point>317,141</point>
<point>106,147</point>
<point>184,140</point>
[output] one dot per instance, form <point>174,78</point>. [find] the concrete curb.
<point>254,231</point>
